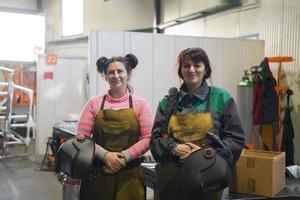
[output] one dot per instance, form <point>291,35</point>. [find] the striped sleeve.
<point>86,122</point>
<point>145,120</point>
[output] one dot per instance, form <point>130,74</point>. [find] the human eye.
<point>120,71</point>
<point>110,72</point>
<point>186,66</point>
<point>199,65</point>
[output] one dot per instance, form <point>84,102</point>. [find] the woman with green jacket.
<point>199,109</point>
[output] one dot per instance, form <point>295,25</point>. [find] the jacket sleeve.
<point>162,146</point>
<point>232,133</point>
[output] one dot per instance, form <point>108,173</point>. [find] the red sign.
<point>48,75</point>
<point>51,59</point>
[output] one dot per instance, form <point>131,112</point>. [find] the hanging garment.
<point>270,97</point>
<point>258,91</point>
<point>265,105</point>
<point>288,135</point>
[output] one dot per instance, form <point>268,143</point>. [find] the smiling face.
<point>193,74</point>
<point>117,77</point>
<point>193,67</point>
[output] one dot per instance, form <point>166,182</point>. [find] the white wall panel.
<point>61,79</point>
<point>109,44</point>
<point>141,45</point>
<point>46,105</point>
<point>214,50</point>
<point>60,98</point>
<point>252,53</point>
<point>77,88</point>
<point>164,69</point>
<point>231,67</point>
<point>157,53</point>
<point>93,56</point>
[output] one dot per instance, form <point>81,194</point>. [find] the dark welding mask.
<point>75,157</point>
<point>204,172</point>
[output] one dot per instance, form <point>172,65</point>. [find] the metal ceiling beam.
<point>21,11</point>
<point>157,15</point>
<point>200,14</point>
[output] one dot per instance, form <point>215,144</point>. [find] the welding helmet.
<point>204,172</point>
<point>75,157</point>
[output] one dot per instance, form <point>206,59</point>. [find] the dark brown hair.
<point>130,62</point>
<point>195,55</point>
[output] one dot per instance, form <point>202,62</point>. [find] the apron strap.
<point>171,108</point>
<point>102,104</point>
<point>130,102</point>
<point>208,101</point>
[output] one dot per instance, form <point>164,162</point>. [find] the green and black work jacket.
<point>227,123</point>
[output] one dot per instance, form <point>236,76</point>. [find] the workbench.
<point>291,190</point>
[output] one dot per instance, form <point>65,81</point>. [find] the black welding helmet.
<point>204,172</point>
<point>75,157</point>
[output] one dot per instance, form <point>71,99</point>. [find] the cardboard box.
<point>259,173</point>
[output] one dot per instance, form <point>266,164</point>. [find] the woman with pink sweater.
<point>120,125</point>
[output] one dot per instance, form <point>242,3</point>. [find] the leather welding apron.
<point>115,130</point>
<point>192,128</point>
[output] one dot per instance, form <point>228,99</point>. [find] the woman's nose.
<point>115,74</point>
<point>192,68</point>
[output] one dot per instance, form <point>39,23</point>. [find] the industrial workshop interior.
<point>149,99</point>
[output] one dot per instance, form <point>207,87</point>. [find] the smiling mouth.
<point>116,81</point>
<point>192,76</point>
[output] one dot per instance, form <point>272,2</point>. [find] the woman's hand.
<point>184,150</point>
<point>193,146</point>
<point>114,161</point>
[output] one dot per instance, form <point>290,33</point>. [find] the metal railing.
<point>8,133</point>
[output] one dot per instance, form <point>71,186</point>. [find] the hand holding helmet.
<point>75,157</point>
<point>205,170</point>
<point>184,150</point>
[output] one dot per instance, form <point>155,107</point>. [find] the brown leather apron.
<point>115,130</point>
<point>190,127</point>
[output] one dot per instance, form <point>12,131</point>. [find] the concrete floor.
<point>21,179</point>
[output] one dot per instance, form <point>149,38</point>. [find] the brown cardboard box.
<point>259,173</point>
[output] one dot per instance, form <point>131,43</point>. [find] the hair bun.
<point>131,60</point>
<point>101,64</point>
